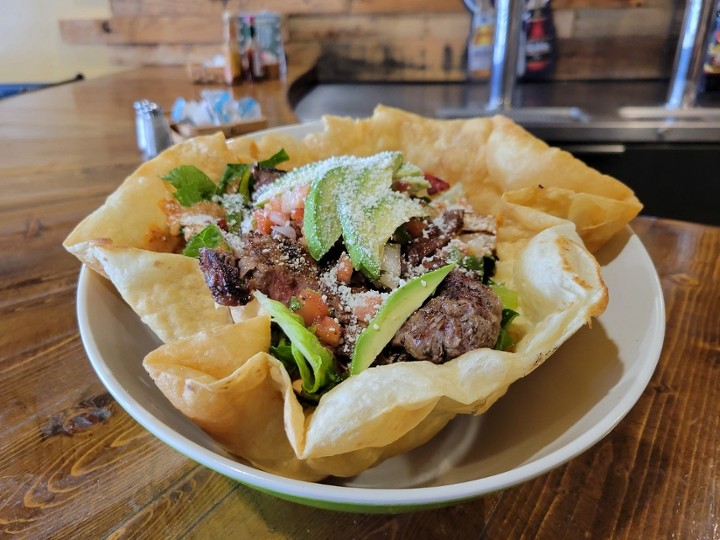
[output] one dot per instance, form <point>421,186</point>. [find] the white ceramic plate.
<point>554,414</point>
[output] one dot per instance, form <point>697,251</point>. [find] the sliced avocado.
<point>321,225</point>
<point>394,312</point>
<point>370,211</point>
<point>300,176</point>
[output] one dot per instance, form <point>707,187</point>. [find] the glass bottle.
<point>231,48</point>
<point>253,53</point>
<point>540,47</point>
<point>480,40</point>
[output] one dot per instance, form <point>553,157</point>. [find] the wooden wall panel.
<point>385,27</point>
<point>390,40</point>
<point>643,57</point>
<point>215,7</point>
<point>143,29</point>
<point>593,23</point>
<point>394,60</point>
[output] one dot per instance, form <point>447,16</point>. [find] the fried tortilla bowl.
<point>554,212</point>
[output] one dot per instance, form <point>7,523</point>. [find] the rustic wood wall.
<point>422,40</point>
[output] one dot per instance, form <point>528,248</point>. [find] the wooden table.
<point>73,464</point>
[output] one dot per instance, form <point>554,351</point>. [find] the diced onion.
<point>285,230</point>
<point>391,266</point>
<point>278,218</point>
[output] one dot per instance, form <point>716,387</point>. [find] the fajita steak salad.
<point>358,260</point>
<point>324,307</point>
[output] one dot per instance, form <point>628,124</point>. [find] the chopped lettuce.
<point>191,184</point>
<point>508,297</point>
<point>281,349</point>
<point>210,237</point>
<point>314,362</point>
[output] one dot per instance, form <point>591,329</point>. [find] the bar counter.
<point>74,464</point>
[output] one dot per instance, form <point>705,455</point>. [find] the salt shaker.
<point>151,127</point>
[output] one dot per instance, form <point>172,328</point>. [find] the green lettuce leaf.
<point>315,362</point>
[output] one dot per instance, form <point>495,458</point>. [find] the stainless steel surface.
<point>595,118</point>
<point>524,115</point>
<point>506,49</point>
<point>690,55</point>
<point>672,164</point>
<point>649,113</point>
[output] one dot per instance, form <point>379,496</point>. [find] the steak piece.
<point>223,277</point>
<point>433,236</point>
<point>464,315</point>
<point>263,176</point>
<point>273,265</point>
<point>277,266</point>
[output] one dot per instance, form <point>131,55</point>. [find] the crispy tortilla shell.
<point>168,291</point>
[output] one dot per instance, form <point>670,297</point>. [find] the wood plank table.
<point>73,464</point>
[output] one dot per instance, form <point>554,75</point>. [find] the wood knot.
<point>34,228</point>
<point>86,414</point>
<point>105,26</point>
<point>685,280</point>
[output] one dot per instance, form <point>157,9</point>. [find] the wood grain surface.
<point>73,464</point>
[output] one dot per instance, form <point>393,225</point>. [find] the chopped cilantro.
<point>401,236</point>
<point>234,221</point>
<point>483,266</point>
<point>236,175</point>
<point>504,340</point>
<point>209,237</point>
<point>295,303</point>
<point>191,184</point>
<point>274,160</point>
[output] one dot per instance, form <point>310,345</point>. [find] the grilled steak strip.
<point>433,236</point>
<point>223,277</point>
<point>274,265</point>
<point>277,266</point>
<point>464,315</point>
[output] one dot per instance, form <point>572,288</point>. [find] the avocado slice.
<point>401,303</point>
<point>369,210</point>
<point>300,176</point>
<point>321,224</point>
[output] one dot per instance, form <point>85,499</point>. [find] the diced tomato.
<point>401,186</point>
<point>368,309</point>
<point>344,269</point>
<point>436,185</point>
<point>297,215</point>
<point>328,330</point>
<point>263,224</point>
<point>274,205</point>
<point>313,307</point>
